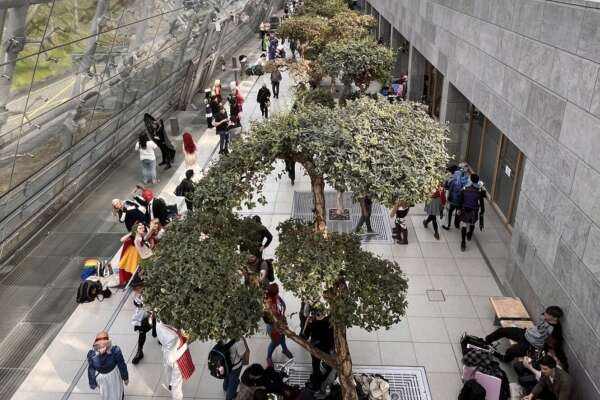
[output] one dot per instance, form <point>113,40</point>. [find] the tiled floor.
<point>428,336</point>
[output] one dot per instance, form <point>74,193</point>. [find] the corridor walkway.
<point>428,336</point>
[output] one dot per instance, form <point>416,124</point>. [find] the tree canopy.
<point>323,8</point>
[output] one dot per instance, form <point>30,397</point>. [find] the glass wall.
<point>76,77</point>
<point>432,89</point>
<point>498,162</point>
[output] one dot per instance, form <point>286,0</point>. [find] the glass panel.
<point>475,138</point>
<point>491,142</point>
<point>517,190</point>
<point>507,170</point>
<point>437,92</point>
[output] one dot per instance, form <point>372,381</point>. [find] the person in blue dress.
<point>107,370</point>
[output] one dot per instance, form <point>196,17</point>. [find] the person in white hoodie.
<point>174,349</point>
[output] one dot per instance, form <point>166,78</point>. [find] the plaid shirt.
<point>482,361</point>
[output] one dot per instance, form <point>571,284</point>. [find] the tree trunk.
<point>318,191</point>
<point>306,345</point>
<point>344,363</point>
<point>339,199</point>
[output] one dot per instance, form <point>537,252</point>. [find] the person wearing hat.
<point>107,370</point>
<point>142,320</point>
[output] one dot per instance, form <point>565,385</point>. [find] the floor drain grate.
<point>408,383</point>
<point>380,221</point>
<point>435,295</point>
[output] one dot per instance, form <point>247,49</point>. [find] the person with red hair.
<point>190,153</point>
<point>276,312</point>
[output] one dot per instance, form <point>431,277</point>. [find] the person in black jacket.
<point>320,332</point>
<point>129,212</point>
<point>186,189</point>
<point>156,208</point>
<point>263,233</point>
<point>472,208</point>
<point>156,129</point>
<point>264,98</point>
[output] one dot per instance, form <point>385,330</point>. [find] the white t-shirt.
<point>148,152</point>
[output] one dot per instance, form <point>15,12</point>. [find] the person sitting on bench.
<point>527,338</point>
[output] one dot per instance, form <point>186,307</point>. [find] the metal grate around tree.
<point>406,383</point>
<point>380,221</point>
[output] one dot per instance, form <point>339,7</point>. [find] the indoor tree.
<point>389,151</point>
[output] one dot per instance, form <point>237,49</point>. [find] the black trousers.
<point>290,167</point>
<point>317,377</point>
<point>451,210</point>
<point>433,220</point>
<point>518,349</point>
<point>264,109</point>
<point>143,329</point>
<point>275,87</point>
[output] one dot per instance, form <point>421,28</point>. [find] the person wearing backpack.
<point>107,369</point>
<point>472,208</point>
<point>276,312</point>
<point>459,180</point>
<point>186,189</point>
<point>237,351</point>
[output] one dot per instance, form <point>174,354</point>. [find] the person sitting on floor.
<point>530,337</point>
<point>555,383</point>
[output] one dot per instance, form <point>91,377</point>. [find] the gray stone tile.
<point>420,306</point>
<point>441,266</point>
<point>536,60</point>
<point>410,250</point>
<point>561,25</point>
<point>435,250</point>
<point>590,36</point>
<point>399,332</point>
<point>550,156</point>
<point>450,285</point>
<point>508,48</point>
<point>365,353</point>
<point>546,110</point>
<point>571,77</point>
<point>482,286</point>
<point>482,9</point>
<point>595,107</point>
<point>591,256</point>
<point>522,132</point>
<point>458,307</point>
<point>429,330</point>
<point>441,384</point>
<point>472,251</point>
<point>473,267</point>
<point>412,266</point>
<point>436,357</point>
<point>457,326</point>
<point>35,271</point>
<point>398,354</point>
<point>502,12</point>
<point>528,18</point>
<point>418,284</point>
<point>579,134</point>
<point>483,307</point>
<point>575,230</point>
<point>586,191</point>
<point>515,88</point>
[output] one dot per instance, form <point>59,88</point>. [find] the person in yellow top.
<point>130,257</point>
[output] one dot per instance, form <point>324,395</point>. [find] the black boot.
<point>470,233</point>
<point>463,233</point>
<point>138,357</point>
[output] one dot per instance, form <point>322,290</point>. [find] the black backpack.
<point>472,390</point>
<point>88,291</point>
<point>179,190</point>
<point>219,360</point>
<point>474,342</point>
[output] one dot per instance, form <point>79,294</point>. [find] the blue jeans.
<point>273,346</point>
<point>223,141</point>
<point>231,382</point>
<point>149,171</point>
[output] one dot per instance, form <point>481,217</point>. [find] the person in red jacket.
<point>276,307</point>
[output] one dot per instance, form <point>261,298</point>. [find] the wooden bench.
<point>509,308</point>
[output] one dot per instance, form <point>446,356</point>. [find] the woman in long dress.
<point>107,370</point>
<point>190,154</point>
<point>130,257</point>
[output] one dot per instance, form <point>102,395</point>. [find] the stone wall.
<point>531,66</point>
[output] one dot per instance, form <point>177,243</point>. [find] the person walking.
<point>142,320</point>
<point>433,208</point>
<point>107,370</point>
<point>319,331</point>
<point>366,206</point>
<point>276,311</point>
<point>190,152</point>
<point>186,189</point>
<point>177,361</point>
<point>237,353</point>
<point>264,100</point>
<point>148,159</point>
<point>290,168</point>
<point>222,124</point>
<point>459,180</point>
<point>472,208</point>
<point>275,81</point>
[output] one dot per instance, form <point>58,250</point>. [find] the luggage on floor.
<point>88,291</point>
<point>468,342</point>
